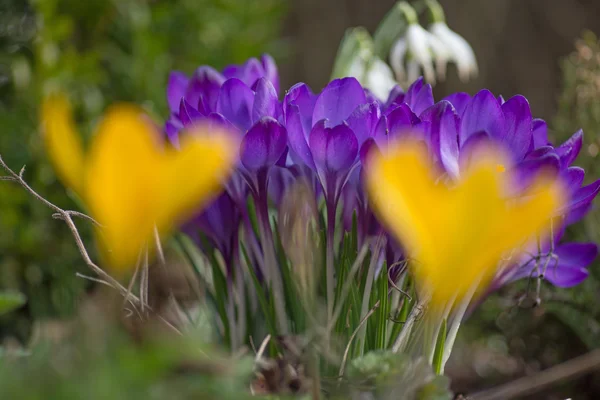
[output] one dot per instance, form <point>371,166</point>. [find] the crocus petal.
<point>270,70</point>
<point>442,129</point>
<point>189,178</point>
<point>539,132</point>
<point>581,202</point>
<point>436,224</point>
<point>263,145</point>
<point>528,170</point>
<point>363,120</point>
<point>265,100</point>
<point>62,141</point>
<point>176,88</point>
<point>483,113</point>
<point>235,103</point>
<point>121,190</point>
<point>206,82</point>
<point>419,96</point>
<point>460,101</point>
<point>469,149</point>
<point>187,113</point>
<point>517,117</point>
<point>303,98</point>
<point>569,150</point>
<point>396,97</point>
<point>401,119</point>
<point>297,140</point>
<point>573,258</point>
<point>334,149</point>
<point>338,100</point>
<point>573,178</point>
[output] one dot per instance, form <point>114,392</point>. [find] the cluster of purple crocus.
<point>324,138</point>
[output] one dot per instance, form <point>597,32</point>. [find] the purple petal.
<point>363,121</point>
<point>396,97</point>
<point>251,71</point>
<point>539,132</point>
<point>297,138</point>
<point>470,147</point>
<point>176,86</point>
<point>419,96</point>
<point>517,117</point>
<point>572,178</point>
<point>581,201</point>
<point>338,100</point>
<point>368,146</point>
<point>460,101</point>
<point>401,119</point>
<point>263,145</point>
<point>303,98</point>
<point>172,128</point>
<point>270,68</point>
<point>334,149</point>
<point>205,82</point>
<point>441,125</point>
<point>569,150</point>
<point>528,170</point>
<point>280,179</point>
<point>483,113</point>
<point>573,258</point>
<point>235,103</point>
<point>188,114</point>
<point>265,100</point>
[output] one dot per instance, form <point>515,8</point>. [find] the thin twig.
<point>532,384</point>
<point>362,322</point>
<point>67,217</point>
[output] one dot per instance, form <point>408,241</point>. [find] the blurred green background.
<point>103,51</point>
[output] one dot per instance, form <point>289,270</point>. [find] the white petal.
<point>397,54</point>
<point>380,79</point>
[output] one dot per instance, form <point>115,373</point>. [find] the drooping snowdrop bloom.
<point>459,50</point>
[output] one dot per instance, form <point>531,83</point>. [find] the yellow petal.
<point>62,141</point>
<point>192,176</point>
<point>121,184</point>
<point>457,236</point>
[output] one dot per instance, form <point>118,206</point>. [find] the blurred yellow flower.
<point>129,182</point>
<point>456,236</point>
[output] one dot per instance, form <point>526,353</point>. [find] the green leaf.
<point>391,27</point>
<point>11,300</point>
<point>438,354</point>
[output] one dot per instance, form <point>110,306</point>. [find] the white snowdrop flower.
<point>379,78</point>
<point>459,50</point>
<point>418,49</point>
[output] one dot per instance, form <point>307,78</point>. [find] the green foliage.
<point>579,108</point>
<point>108,364</point>
<point>10,300</point>
<point>397,376</point>
<point>100,52</point>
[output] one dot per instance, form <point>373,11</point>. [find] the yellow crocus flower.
<point>129,182</point>
<point>457,236</point>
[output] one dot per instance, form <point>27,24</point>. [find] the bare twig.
<point>67,217</point>
<point>531,384</point>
